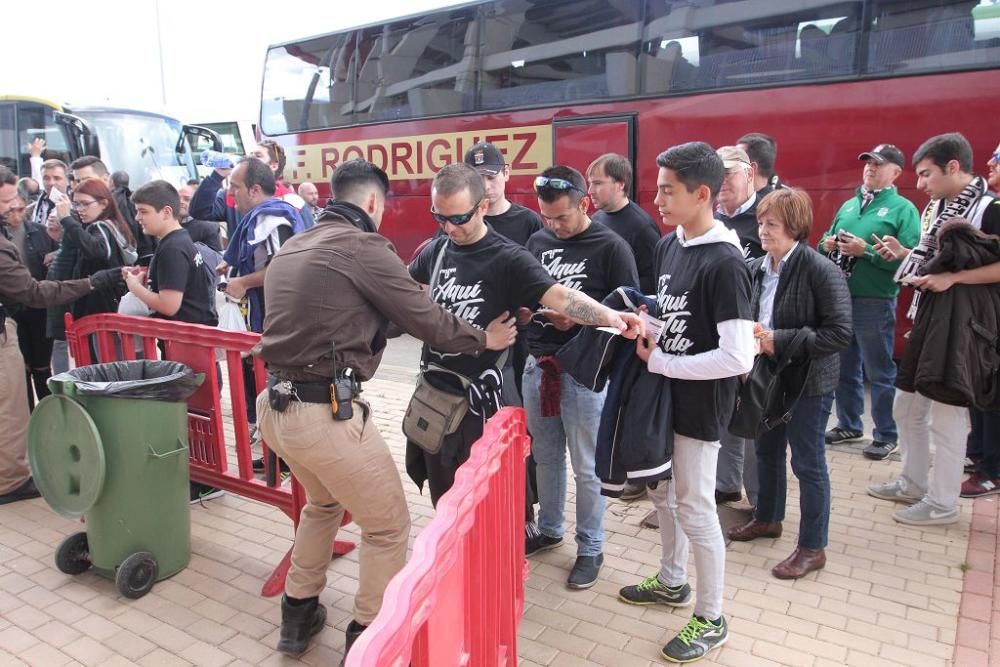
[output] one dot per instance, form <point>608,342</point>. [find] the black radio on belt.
<point>342,393</point>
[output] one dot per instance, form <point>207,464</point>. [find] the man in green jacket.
<point>876,210</point>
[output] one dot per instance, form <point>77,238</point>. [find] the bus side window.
<point>8,139</point>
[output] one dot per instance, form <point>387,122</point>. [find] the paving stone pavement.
<point>890,594</point>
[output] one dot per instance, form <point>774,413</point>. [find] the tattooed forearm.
<point>583,309</point>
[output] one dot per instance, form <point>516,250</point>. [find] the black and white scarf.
<point>962,206</point>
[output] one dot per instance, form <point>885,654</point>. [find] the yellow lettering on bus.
<point>528,150</point>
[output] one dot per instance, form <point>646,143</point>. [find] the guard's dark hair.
<point>616,167</point>
<point>550,194</point>
<point>944,148</point>
<point>352,180</point>
<point>158,194</point>
<point>120,179</point>
<point>762,149</point>
<point>258,173</point>
<point>95,163</point>
<point>696,164</point>
<point>458,177</point>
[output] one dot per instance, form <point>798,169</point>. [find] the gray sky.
<point>213,50</point>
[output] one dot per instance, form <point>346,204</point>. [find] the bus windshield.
<point>144,145</point>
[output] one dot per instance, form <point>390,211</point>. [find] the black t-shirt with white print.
<point>596,261</point>
<point>640,232</point>
<point>477,283</point>
<point>699,286</point>
<point>176,265</point>
<point>517,223</point>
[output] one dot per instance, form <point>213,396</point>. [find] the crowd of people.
<point>509,303</point>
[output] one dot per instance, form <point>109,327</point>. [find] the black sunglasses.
<point>459,219</point>
<point>544,182</point>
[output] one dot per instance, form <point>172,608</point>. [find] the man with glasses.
<point>737,207</point>
<point>479,275</point>
<point>33,243</point>
<point>19,288</point>
<point>876,209</point>
<point>563,414</point>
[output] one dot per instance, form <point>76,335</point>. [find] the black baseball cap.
<point>884,153</point>
<point>485,158</point>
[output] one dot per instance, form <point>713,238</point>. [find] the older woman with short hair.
<point>795,288</point>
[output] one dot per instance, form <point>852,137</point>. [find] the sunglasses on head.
<point>459,219</point>
<point>546,183</point>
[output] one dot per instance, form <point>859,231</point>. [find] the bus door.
<point>577,141</point>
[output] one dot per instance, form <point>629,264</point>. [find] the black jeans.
<point>984,442</point>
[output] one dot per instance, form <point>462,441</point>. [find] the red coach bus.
<point>562,81</point>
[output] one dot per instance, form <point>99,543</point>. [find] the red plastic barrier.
<point>459,599</point>
<point>195,345</point>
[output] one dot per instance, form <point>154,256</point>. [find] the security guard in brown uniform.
<point>331,293</point>
<point>17,288</point>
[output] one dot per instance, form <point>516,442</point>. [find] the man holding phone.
<point>876,210</point>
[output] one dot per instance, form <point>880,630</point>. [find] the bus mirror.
<point>195,131</point>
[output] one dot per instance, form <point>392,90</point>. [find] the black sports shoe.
<point>879,449</point>
<point>585,571</point>
<point>839,435</point>
<point>201,492</point>
<point>539,543</point>
<point>697,638</point>
<point>653,591</point>
<point>258,465</point>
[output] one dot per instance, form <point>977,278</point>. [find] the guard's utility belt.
<point>338,393</point>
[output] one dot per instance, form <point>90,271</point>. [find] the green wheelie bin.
<point>110,444</point>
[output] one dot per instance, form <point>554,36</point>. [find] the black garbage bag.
<point>150,380</point>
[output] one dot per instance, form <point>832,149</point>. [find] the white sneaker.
<point>894,490</point>
<point>925,514</point>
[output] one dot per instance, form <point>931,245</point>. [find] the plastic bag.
<point>230,316</point>
<point>149,380</point>
<point>130,304</point>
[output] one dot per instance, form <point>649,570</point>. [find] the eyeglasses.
<point>459,219</point>
<point>77,205</point>
<point>996,158</point>
<point>544,182</point>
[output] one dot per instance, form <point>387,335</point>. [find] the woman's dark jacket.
<point>811,293</point>
<point>953,355</point>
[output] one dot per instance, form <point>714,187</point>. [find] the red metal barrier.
<point>459,599</point>
<point>195,345</point>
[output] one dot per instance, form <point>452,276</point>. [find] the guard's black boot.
<point>354,630</point>
<point>300,620</point>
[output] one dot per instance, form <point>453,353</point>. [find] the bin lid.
<point>66,455</point>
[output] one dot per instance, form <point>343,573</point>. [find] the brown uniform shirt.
<point>337,287</point>
<point>18,287</point>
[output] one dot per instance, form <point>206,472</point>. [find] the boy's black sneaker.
<point>653,591</point>
<point>697,638</point>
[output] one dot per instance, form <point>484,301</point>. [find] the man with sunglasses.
<point>478,275</point>
<point>562,413</point>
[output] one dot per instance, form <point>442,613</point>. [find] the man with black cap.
<point>877,209</point>
<point>507,219</point>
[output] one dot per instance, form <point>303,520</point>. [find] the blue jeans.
<point>574,429</point>
<point>870,353</point>
<point>804,435</point>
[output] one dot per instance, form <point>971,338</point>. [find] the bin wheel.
<point>73,554</point>
<point>137,574</point>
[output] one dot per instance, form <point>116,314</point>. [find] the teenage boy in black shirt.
<point>179,289</point>
<point>482,276</point>
<point>703,299</point>
<point>563,414</point>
